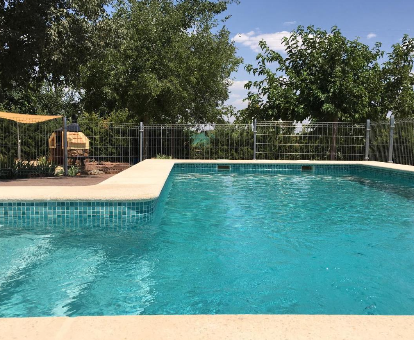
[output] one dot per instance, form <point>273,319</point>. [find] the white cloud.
<point>237,94</point>
<point>234,96</point>
<point>239,104</point>
<point>238,85</point>
<point>252,39</point>
<point>371,35</point>
<point>288,23</point>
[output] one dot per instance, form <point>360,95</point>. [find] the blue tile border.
<point>76,212</point>
<point>293,168</point>
<point>264,168</point>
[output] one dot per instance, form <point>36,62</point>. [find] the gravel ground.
<point>57,181</point>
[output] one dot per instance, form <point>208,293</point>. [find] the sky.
<point>253,20</point>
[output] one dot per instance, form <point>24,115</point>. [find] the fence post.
<point>19,144</point>
<point>141,140</point>
<point>254,138</point>
<point>391,144</point>
<point>65,147</point>
<point>367,140</point>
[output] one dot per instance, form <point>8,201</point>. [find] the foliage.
<point>398,78</point>
<point>73,171</point>
<point>167,62</point>
<point>43,43</point>
<point>156,60</point>
<point>326,77</point>
<point>22,169</point>
<point>161,156</point>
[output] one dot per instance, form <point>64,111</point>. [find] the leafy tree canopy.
<point>327,77</point>
<point>398,79</point>
<point>157,60</point>
<point>43,44</point>
<point>169,62</point>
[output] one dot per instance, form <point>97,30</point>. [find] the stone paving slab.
<point>217,327</point>
<point>57,181</point>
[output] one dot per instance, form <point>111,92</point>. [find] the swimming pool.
<point>255,239</point>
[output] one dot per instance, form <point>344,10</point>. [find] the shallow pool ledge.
<point>261,327</point>
<point>143,182</point>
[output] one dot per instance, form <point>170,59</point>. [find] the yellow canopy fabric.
<point>26,119</point>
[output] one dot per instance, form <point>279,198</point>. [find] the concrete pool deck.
<point>145,182</point>
<point>217,327</point>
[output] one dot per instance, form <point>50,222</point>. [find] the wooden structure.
<point>77,145</point>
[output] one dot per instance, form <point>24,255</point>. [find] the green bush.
<point>23,169</point>
<point>160,156</point>
<point>73,171</point>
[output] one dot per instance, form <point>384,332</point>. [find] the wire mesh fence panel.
<point>403,148</point>
<point>109,142</point>
<point>25,148</point>
<point>166,141</point>
<point>310,141</point>
<point>379,141</point>
<point>199,141</point>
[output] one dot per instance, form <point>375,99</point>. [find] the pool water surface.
<point>226,243</point>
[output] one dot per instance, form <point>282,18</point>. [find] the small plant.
<point>44,167</point>
<point>4,161</point>
<point>73,171</point>
<point>161,156</point>
<point>59,171</point>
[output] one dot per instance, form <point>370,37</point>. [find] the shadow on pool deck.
<point>57,181</point>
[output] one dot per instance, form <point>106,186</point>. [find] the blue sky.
<point>372,21</point>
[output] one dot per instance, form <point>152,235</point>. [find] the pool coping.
<point>144,182</point>
<point>260,327</point>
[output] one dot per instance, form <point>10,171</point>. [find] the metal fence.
<point>392,141</point>
<point>36,149</point>
<point>24,148</point>
<point>379,133</point>
<point>403,145</point>
<point>22,145</point>
<point>310,141</point>
<point>199,141</point>
<point>110,142</point>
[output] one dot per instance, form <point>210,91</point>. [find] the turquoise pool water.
<point>226,243</point>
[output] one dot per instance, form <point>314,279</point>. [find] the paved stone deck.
<point>56,181</point>
<point>217,327</point>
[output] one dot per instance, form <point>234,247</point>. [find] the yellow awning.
<point>26,119</point>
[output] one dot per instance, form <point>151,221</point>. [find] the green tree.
<point>43,43</point>
<point>156,60</point>
<point>169,61</point>
<point>398,79</point>
<point>324,77</point>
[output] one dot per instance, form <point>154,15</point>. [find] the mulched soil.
<point>57,181</point>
